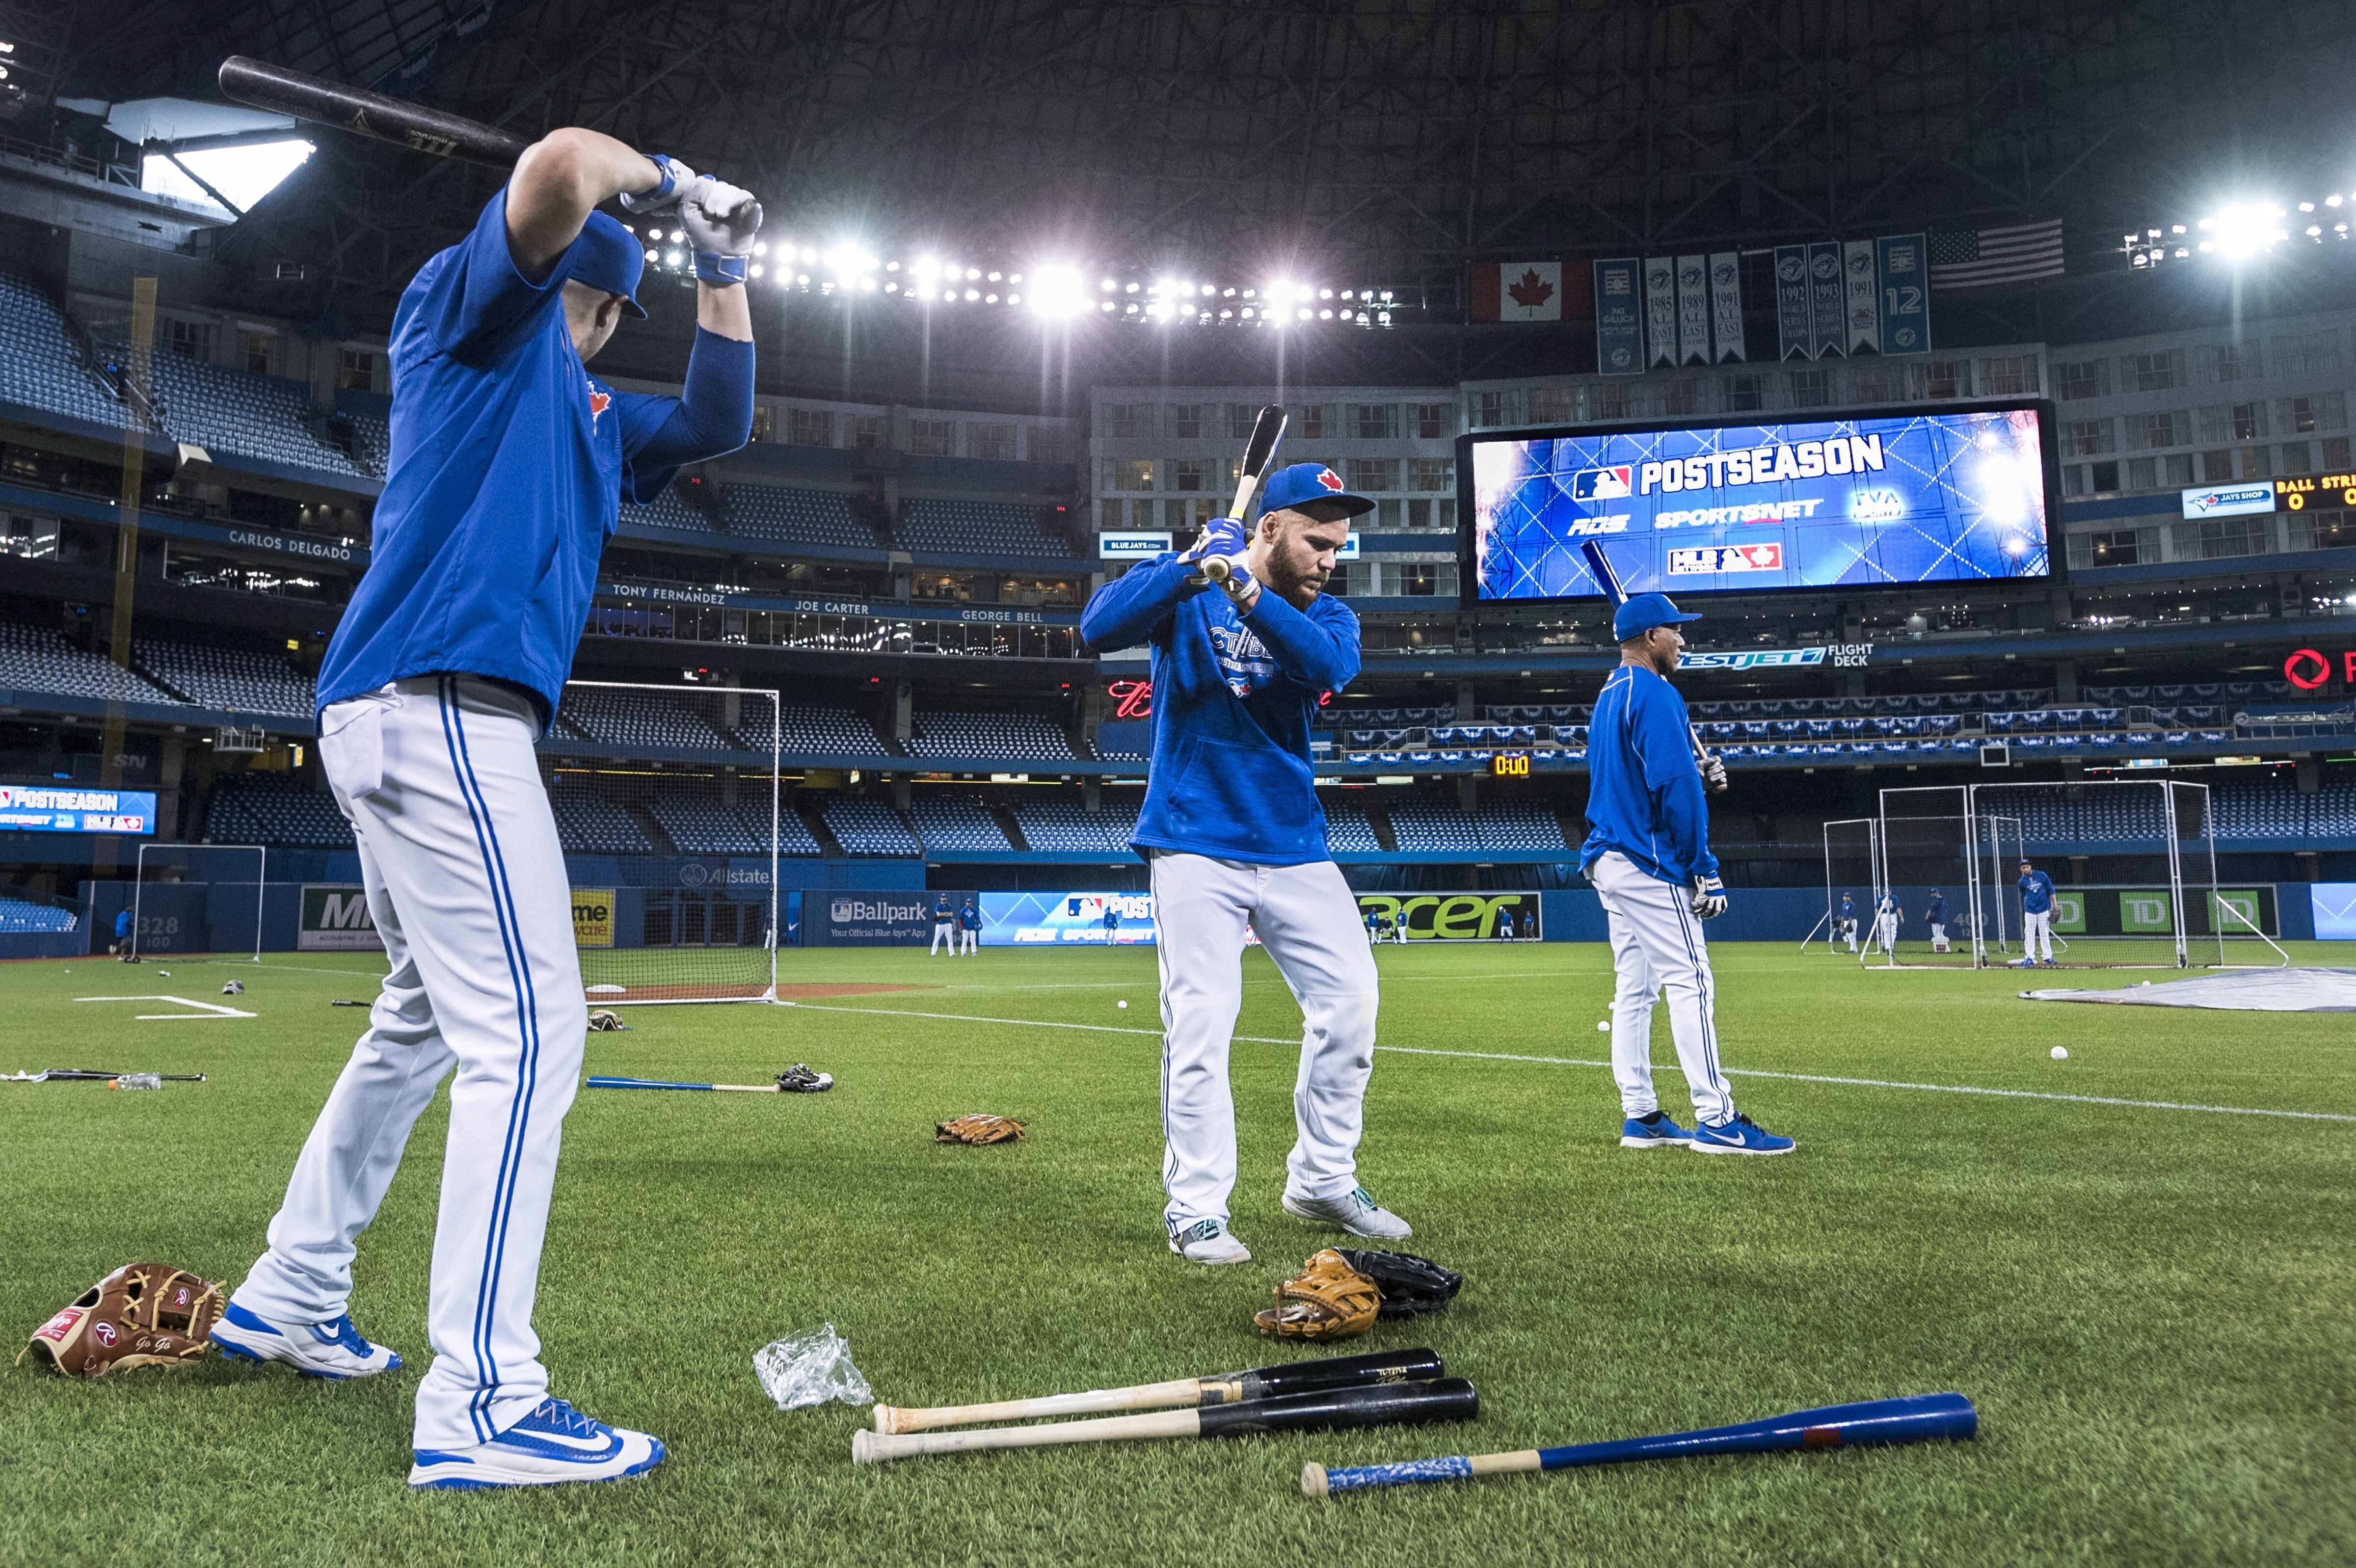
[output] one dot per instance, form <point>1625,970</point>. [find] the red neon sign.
<point>2307,669</point>
<point>1131,698</point>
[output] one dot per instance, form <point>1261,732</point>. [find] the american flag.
<point>1977,258</point>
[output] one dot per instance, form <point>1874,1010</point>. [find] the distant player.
<point>1647,853</point>
<point>1374,927</point>
<point>1846,926</point>
<point>970,926</point>
<point>1236,840</point>
<point>2036,917</point>
<point>1111,923</point>
<point>509,463</point>
<point>1935,912</point>
<point>1530,925</point>
<point>944,926</point>
<point>1887,914</point>
<point>121,948</point>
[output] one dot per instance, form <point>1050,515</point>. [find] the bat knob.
<point>886,1418</point>
<point>861,1451</point>
<point>1218,569</point>
<point>1312,1479</point>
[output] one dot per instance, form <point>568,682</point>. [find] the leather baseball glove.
<point>979,1129</point>
<point>605,1020</point>
<point>141,1315</point>
<point>1327,1299</point>
<point>1409,1285</point>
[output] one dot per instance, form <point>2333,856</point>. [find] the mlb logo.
<point>1603,483</point>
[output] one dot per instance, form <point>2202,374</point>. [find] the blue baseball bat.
<point>1918,1418</point>
<point>661,1083</point>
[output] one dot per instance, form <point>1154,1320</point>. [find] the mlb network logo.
<point>1711,559</point>
<point>1603,483</point>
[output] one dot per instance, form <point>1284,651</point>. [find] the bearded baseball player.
<point>509,463</point>
<point>1234,837</point>
<point>1647,853</point>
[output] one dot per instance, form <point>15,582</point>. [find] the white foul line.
<point>211,1010</point>
<point>1577,1062</point>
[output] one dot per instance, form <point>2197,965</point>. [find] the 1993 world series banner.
<point>1908,498</point>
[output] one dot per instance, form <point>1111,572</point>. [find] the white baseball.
<point>1122,1006</point>
<point>1603,1025</point>
<point>2061,1053</point>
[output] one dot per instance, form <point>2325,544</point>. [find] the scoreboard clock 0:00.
<point>1510,765</point>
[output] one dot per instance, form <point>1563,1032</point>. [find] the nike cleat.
<point>1355,1211</point>
<point>1739,1136</point>
<point>1655,1131</point>
<point>554,1444</point>
<point>316,1349</point>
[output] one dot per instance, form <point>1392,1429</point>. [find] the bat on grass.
<point>1920,1418</point>
<point>1382,1405</point>
<point>1259,1385</point>
<point>92,1075</point>
<point>664,1083</point>
<point>1608,581</point>
<point>261,85</point>
<point>1267,433</point>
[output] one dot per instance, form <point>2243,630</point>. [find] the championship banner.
<point>336,919</point>
<point>1619,317</point>
<point>1456,917</point>
<point>1791,302</point>
<point>1660,312</point>
<point>1824,297</point>
<point>1692,310</point>
<point>593,917</point>
<point>1862,294</point>
<point>1725,305</point>
<point>1905,294</point>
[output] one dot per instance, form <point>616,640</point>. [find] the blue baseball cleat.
<point>1739,1136</point>
<point>316,1349</point>
<point>554,1444</point>
<point>1655,1131</point>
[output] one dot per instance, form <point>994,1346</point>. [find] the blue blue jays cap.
<point>1309,482</point>
<point>1642,613</point>
<point>609,256</point>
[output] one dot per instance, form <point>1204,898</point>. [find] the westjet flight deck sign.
<point>1887,497</point>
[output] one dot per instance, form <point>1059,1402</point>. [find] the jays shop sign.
<point>2229,500</point>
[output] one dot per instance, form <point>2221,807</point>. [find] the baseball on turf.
<point>1122,1006</point>
<point>1603,1025</point>
<point>2061,1053</point>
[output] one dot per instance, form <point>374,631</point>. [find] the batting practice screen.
<point>1889,497</point>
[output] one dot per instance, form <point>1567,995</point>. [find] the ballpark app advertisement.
<point>1892,497</point>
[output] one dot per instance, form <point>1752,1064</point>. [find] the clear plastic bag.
<point>810,1369</point>
<point>138,1080</point>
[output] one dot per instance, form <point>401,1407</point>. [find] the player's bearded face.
<point>1300,551</point>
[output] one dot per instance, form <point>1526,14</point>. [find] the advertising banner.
<point>1068,920</point>
<point>1725,305</point>
<point>1861,297</point>
<point>1619,317</point>
<point>1791,302</point>
<point>1905,294</point>
<point>2147,912</point>
<point>2335,911</point>
<point>868,919</point>
<point>1692,310</point>
<point>1132,546</point>
<point>1827,298</point>
<point>593,917</point>
<point>1456,917</point>
<point>2068,913</point>
<point>336,919</point>
<point>1660,311</point>
<point>70,808</point>
<point>2229,500</point>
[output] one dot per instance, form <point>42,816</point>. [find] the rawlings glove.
<point>141,1315</point>
<point>720,221</point>
<point>676,178</point>
<point>979,1129</point>
<point>1713,771</point>
<point>1327,1299</point>
<point>1708,900</point>
<point>1407,1284</point>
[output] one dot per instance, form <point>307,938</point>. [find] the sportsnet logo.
<point>1602,484</point>
<point>1712,560</point>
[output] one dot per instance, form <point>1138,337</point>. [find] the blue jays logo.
<point>1602,484</point>
<point>1244,662</point>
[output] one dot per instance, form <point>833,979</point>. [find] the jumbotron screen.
<point>1883,497</point>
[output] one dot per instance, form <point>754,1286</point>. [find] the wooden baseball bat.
<point>1267,433</point>
<point>661,1083</point>
<point>1443,1398</point>
<point>261,85</point>
<point>1608,581</point>
<point>1234,1388</point>
<point>1919,1418</point>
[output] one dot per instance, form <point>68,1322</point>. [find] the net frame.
<point>1843,851</point>
<point>1922,824</point>
<point>261,889</point>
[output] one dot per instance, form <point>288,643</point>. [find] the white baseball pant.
<point>972,940</point>
<point>2037,929</point>
<point>1938,938</point>
<point>943,931</point>
<point>466,883</point>
<point>1656,947</point>
<point>1309,924</point>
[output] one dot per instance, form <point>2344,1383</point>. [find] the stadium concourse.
<point>2005,457</point>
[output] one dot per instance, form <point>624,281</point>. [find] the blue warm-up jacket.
<point>1233,699</point>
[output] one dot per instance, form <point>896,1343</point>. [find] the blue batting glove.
<point>1221,536</point>
<point>676,178</point>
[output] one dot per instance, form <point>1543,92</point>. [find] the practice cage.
<point>669,808</point>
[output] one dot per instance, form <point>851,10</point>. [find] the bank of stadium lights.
<point>2244,230</point>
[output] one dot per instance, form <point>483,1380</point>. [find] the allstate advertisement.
<point>1911,498</point>
<point>1067,920</point>
<point>67,808</point>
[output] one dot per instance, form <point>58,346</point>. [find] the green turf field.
<point>2152,1307</point>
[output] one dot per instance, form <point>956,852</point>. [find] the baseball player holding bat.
<point>509,463</point>
<point>1234,837</point>
<point>1647,853</point>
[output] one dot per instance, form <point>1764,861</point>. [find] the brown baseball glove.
<point>979,1129</point>
<point>605,1020</point>
<point>141,1315</point>
<point>1327,1299</point>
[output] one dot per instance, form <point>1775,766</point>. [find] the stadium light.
<point>2246,228</point>
<point>1058,292</point>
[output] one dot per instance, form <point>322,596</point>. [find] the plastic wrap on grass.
<point>810,1369</point>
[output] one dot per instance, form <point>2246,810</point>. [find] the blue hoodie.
<point>1233,699</point>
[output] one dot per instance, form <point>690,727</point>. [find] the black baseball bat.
<point>1232,1388</point>
<point>261,85</point>
<point>1267,433</point>
<point>1383,1404</point>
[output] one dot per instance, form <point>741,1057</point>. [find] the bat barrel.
<point>1419,1365</point>
<point>261,85</point>
<point>1379,1404</point>
<point>643,1083</point>
<point>1918,1418</point>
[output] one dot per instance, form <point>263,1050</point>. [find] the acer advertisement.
<point>1884,498</point>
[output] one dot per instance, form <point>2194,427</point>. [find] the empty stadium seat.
<point>697,823</point>
<point>1057,827</point>
<point>1518,826</point>
<point>39,659</point>
<point>637,718</point>
<point>1432,826</point>
<point>235,680</point>
<point>229,411</point>
<point>950,822</point>
<point>869,827</point>
<point>808,731</point>
<point>1347,829</point>
<point>42,365</point>
<point>670,509</point>
<point>279,810</point>
<point>976,527</point>
<point>797,516</point>
<point>952,733</point>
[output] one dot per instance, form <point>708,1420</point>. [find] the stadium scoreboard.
<point>1881,497</point>
<point>68,808</point>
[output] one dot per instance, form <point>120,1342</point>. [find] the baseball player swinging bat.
<point>1259,1385</point>
<point>1267,433</point>
<point>261,85</point>
<point>1442,1399</point>
<point>1920,1418</point>
<point>1608,581</point>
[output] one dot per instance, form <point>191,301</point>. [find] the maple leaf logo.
<point>1532,291</point>
<point>597,403</point>
<point>1330,480</point>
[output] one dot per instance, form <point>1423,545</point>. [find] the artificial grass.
<point>2150,1307</point>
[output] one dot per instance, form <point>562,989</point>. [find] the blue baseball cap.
<point>609,256</point>
<point>1309,482</point>
<point>1642,613</point>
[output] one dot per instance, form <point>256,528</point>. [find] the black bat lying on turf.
<point>1231,1388</point>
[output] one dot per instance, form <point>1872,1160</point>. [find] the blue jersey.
<point>2036,893</point>
<point>508,463</point>
<point>1644,789</point>
<point>1936,912</point>
<point>1233,699</point>
<point>1848,907</point>
<point>942,912</point>
<point>970,918</point>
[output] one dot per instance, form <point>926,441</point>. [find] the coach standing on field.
<point>1647,853</point>
<point>507,466</point>
<point>1234,837</point>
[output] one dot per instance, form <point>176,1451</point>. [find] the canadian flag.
<point>1530,291</point>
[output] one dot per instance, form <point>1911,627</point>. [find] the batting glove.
<point>1708,898</point>
<point>1221,536</point>
<point>1713,771</point>
<point>1240,588</point>
<point>720,221</point>
<point>676,178</point>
